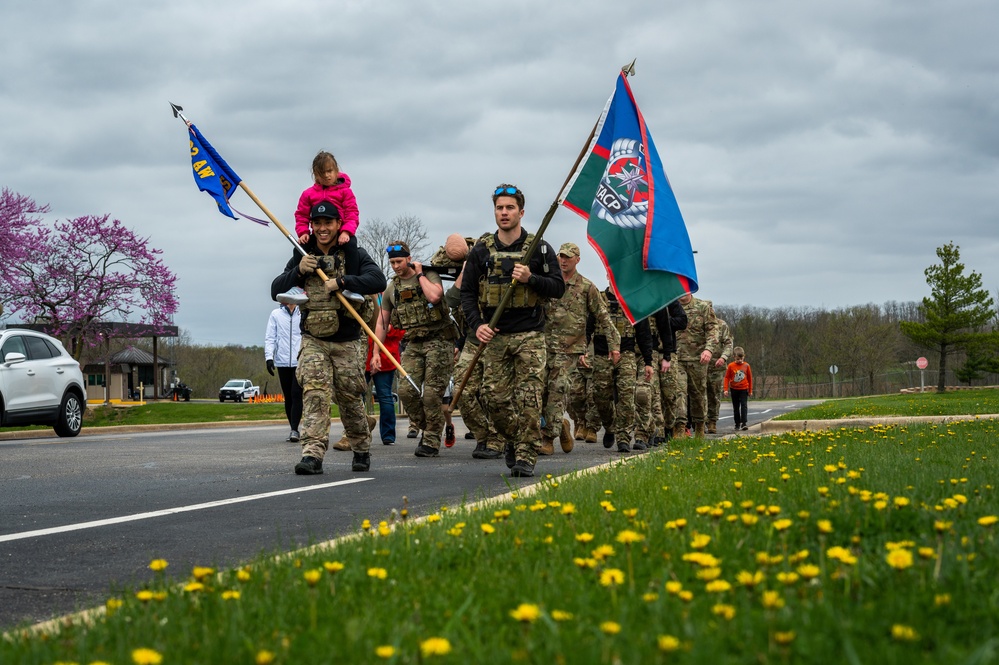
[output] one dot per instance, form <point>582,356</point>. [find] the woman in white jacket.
<point>282,342</point>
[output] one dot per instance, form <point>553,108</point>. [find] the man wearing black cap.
<point>331,364</point>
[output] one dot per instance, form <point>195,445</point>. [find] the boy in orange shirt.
<point>739,382</point>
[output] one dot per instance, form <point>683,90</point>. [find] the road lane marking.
<point>169,511</point>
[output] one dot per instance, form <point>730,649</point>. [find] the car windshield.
<point>233,384</point>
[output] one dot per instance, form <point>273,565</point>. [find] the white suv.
<point>40,383</point>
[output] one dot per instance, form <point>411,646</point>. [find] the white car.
<point>237,390</point>
<point>40,383</point>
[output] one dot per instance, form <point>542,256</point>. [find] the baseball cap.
<point>324,209</point>
<point>569,249</point>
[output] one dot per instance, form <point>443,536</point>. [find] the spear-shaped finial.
<point>629,69</point>
<point>177,112</point>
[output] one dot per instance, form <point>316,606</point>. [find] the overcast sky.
<point>820,151</point>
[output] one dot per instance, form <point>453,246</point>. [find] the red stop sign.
<point>921,363</point>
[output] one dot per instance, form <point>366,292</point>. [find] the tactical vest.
<point>412,311</point>
<point>624,327</point>
<point>498,276</point>
<point>321,315</point>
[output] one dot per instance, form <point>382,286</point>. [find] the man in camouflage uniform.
<point>694,352</point>
<point>565,337</point>
<point>414,302</point>
<point>614,382</point>
<point>716,374</point>
<point>514,356</point>
<point>582,408</point>
<point>648,403</point>
<point>331,362</point>
<point>488,443</point>
<point>669,322</point>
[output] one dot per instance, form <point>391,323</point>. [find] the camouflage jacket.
<point>701,332</point>
<point>565,323</point>
<point>724,348</point>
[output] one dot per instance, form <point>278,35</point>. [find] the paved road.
<point>82,517</point>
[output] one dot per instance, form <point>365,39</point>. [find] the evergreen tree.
<point>957,313</point>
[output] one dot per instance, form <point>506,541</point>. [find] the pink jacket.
<point>339,195</point>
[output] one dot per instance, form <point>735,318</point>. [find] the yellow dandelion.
<point>685,596</point>
<point>772,600</point>
<point>201,572</point>
<point>823,491</point>
<point>940,526</point>
<point>366,525</point>
<point>611,577</point>
<point>700,541</point>
<point>433,518</point>
<point>650,597</point>
<point>487,528</point>
<point>610,627</point>
<point>384,529</point>
<point>158,564</point>
<point>603,552</point>
<point>899,559</point>
<point>243,575</point>
<point>230,594</point>
<point>377,573</point>
<point>112,604</point>
<point>561,615</point>
<point>194,586</point>
<point>748,579</point>
<point>738,484</point>
<point>312,576</point>
<point>668,643</point>
<point>144,596</point>
<point>988,520</point>
<point>568,509</point>
<point>808,571</point>
<point>903,633</point>
<point>708,574</point>
<point>787,578</point>
<point>630,512</point>
<point>333,566</point>
<point>784,638</point>
<point>941,599</point>
<point>144,656</point>
<point>724,611</point>
<point>749,519</point>
<point>526,612</point>
<point>926,553</point>
<point>264,657</point>
<point>717,586</point>
<point>673,587</point>
<point>585,562</point>
<point>435,646</point>
<point>782,524</point>
<point>385,651</point>
<point>584,537</point>
<point>627,537</point>
<point>607,506</point>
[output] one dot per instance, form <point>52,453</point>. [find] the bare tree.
<point>374,235</point>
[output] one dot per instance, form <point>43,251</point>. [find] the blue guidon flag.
<point>633,220</point>
<point>211,173</point>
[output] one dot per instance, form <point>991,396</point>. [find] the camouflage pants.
<point>716,377</point>
<point>558,374</point>
<point>470,403</point>
<point>582,408</point>
<point>692,380</point>
<point>512,383</point>
<point>614,393</point>
<point>648,404</point>
<point>332,371</point>
<point>429,362</point>
<point>669,388</point>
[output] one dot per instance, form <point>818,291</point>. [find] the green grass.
<point>954,403</point>
<point>159,413</point>
<point>701,519</point>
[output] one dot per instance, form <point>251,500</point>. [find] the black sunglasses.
<point>506,190</point>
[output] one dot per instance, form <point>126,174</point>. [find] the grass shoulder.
<point>954,403</point>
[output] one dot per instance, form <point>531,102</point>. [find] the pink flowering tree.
<point>79,273</point>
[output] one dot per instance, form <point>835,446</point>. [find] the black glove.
<point>270,367</point>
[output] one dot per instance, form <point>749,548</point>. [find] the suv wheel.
<point>70,416</point>
<point>239,398</point>
<point>221,399</point>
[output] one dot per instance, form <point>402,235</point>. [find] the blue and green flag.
<point>633,220</point>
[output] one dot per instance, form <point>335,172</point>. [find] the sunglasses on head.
<point>506,190</point>
<point>394,248</point>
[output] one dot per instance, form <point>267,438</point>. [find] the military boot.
<point>679,430</point>
<point>564,438</point>
<point>547,446</point>
<point>699,430</point>
<point>579,432</point>
<point>712,427</point>
<point>342,444</point>
<point>591,435</point>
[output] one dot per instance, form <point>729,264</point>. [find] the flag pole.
<point>627,70</point>
<point>177,113</point>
